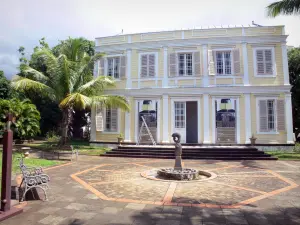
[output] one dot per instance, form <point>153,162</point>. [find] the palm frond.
<point>36,75</point>
<point>114,101</point>
<point>49,59</point>
<point>76,100</point>
<point>25,84</point>
<point>64,74</point>
<point>285,7</point>
<point>98,84</point>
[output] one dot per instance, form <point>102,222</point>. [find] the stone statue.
<point>178,151</point>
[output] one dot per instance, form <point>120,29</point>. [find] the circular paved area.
<point>235,185</point>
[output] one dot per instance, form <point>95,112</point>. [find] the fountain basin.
<point>186,175</point>
<point>174,174</point>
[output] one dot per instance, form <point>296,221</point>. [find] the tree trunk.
<point>66,120</point>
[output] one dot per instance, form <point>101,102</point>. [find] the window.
<point>264,62</point>
<point>267,115</point>
<point>111,120</point>
<point>179,114</point>
<point>223,62</point>
<point>148,68</point>
<point>185,64</point>
<point>113,67</point>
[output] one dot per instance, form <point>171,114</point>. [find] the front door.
<point>147,109</point>
<point>225,121</point>
<point>180,119</point>
<point>191,122</point>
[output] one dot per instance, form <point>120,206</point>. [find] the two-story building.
<point>213,86</point>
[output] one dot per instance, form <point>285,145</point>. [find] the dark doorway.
<point>191,122</point>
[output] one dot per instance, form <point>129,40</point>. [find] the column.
<point>165,80</point>
<point>205,66</point>
<point>285,64</point>
<point>93,124</point>
<point>248,118</point>
<point>289,119</point>
<point>206,119</point>
<point>128,68</point>
<point>127,123</point>
<point>165,122</point>
<point>245,65</point>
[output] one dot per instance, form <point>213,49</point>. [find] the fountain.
<point>178,173</point>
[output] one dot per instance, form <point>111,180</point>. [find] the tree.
<point>69,82</point>
<point>294,71</point>
<point>284,7</point>
<point>27,117</point>
<point>5,89</point>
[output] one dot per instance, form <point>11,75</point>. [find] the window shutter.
<point>123,67</point>
<point>211,62</point>
<point>172,65</point>
<point>151,67</point>
<point>114,119</point>
<point>263,116</point>
<point>197,70</point>
<point>269,62</point>
<point>144,65</point>
<point>280,115</point>
<point>260,62</point>
<point>99,119</point>
<point>236,61</point>
<point>101,67</point>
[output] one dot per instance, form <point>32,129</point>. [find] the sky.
<point>23,23</point>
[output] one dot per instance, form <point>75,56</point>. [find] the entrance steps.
<point>190,152</point>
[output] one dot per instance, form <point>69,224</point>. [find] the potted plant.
<point>252,139</point>
<point>120,138</point>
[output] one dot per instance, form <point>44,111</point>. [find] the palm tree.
<point>285,7</point>
<point>68,80</point>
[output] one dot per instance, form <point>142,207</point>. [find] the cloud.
<point>23,23</point>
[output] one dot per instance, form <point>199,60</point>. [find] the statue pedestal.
<point>178,163</point>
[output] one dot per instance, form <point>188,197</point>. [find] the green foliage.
<point>294,71</point>
<point>5,89</point>
<point>67,79</point>
<point>52,136</point>
<point>284,7</point>
<point>26,114</point>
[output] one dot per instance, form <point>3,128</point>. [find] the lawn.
<point>83,147</point>
<point>286,155</point>
<point>30,162</point>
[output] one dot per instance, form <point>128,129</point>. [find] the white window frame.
<point>193,64</point>
<point>258,115</point>
<point>215,50</point>
<point>106,65</point>
<point>273,61</point>
<point>118,123</point>
<point>140,65</point>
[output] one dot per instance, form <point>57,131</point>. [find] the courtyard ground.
<point>102,190</point>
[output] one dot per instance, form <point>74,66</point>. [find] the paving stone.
<point>49,210</point>
<point>91,196</point>
<point>236,220</point>
<point>77,206</point>
<point>84,215</point>
<point>135,206</point>
<point>173,209</point>
<point>110,210</point>
<point>168,222</point>
<point>53,220</point>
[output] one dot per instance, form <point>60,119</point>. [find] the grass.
<point>30,162</point>
<point>286,155</point>
<point>83,147</point>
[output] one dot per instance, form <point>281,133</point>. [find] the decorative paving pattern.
<point>234,186</point>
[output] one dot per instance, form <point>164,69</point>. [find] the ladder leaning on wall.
<point>144,131</point>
